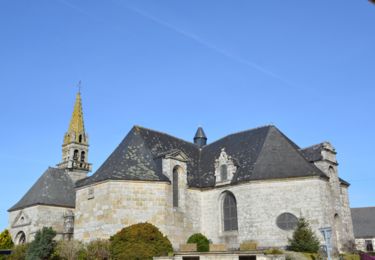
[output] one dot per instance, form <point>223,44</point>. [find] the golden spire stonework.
<point>76,123</point>
<point>76,126</point>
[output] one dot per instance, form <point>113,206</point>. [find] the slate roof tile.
<point>54,187</point>
<point>261,153</point>
<point>363,222</point>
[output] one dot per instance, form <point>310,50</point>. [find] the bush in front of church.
<point>201,241</point>
<point>18,252</point>
<point>98,249</point>
<point>304,239</point>
<point>5,240</point>
<point>69,250</point>
<point>43,245</point>
<point>139,241</point>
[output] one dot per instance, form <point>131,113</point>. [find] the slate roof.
<point>313,153</point>
<point>54,188</point>
<point>200,133</point>
<point>363,222</point>
<point>261,153</point>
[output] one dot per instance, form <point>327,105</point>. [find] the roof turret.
<point>200,137</point>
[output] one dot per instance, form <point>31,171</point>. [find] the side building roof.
<point>261,153</point>
<point>313,153</point>
<point>363,222</point>
<point>54,188</point>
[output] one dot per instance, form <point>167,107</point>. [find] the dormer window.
<point>224,168</point>
<point>223,172</point>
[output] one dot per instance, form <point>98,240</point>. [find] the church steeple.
<point>76,122</point>
<point>75,145</point>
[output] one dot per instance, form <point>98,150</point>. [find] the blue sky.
<point>305,66</point>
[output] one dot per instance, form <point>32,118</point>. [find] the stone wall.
<point>30,220</point>
<point>221,256</point>
<point>260,203</point>
<point>105,208</point>
<point>339,208</point>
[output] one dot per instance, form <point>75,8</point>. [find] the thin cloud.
<point>209,45</point>
<point>191,36</point>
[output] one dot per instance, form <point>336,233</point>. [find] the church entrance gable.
<point>21,220</point>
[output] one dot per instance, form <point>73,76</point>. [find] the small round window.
<point>286,221</point>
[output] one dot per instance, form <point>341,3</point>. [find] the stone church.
<point>249,185</point>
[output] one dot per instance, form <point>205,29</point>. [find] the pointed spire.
<point>75,147</point>
<point>76,122</point>
<point>200,137</point>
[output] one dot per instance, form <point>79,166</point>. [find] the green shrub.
<point>98,249</point>
<point>43,245</point>
<point>139,241</point>
<point>18,252</point>
<point>69,250</point>
<point>313,256</point>
<point>201,241</point>
<point>350,256</point>
<point>304,239</point>
<point>5,242</point>
<point>273,251</point>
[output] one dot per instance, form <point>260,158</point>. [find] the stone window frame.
<point>222,198</point>
<point>224,160</point>
<point>286,224</point>
<point>20,237</point>
<point>175,185</point>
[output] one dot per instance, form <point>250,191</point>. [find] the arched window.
<point>223,172</point>
<point>20,238</point>
<point>75,155</point>
<point>230,212</point>
<point>80,138</point>
<point>175,187</point>
<point>83,156</point>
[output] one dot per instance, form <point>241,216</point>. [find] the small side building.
<point>364,228</point>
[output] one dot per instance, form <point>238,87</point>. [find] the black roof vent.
<point>200,138</point>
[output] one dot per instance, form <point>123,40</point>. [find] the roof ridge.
<point>311,146</point>
<point>163,133</point>
<point>261,148</point>
<point>299,152</point>
<point>371,207</point>
<point>240,132</point>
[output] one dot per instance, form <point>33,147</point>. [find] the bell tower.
<point>76,145</point>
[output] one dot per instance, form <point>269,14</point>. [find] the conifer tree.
<point>304,239</point>
<point>5,240</point>
<point>43,245</point>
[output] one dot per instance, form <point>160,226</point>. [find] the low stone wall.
<point>221,256</point>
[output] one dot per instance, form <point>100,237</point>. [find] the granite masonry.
<point>248,186</point>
